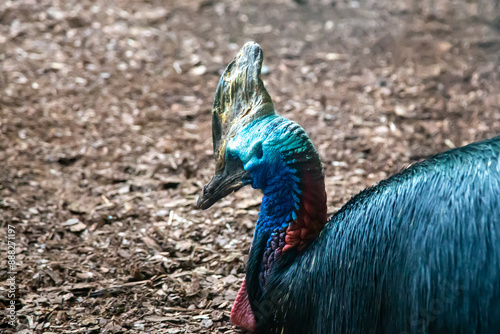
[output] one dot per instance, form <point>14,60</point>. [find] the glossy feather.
<point>417,253</point>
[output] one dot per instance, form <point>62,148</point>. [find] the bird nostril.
<point>208,188</point>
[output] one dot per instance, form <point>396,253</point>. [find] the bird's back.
<point>417,253</point>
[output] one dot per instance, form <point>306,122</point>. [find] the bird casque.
<point>417,253</point>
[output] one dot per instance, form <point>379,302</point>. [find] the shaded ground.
<point>105,137</point>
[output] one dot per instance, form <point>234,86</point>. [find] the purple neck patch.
<point>273,250</point>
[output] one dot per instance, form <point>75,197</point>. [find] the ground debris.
<point>105,137</point>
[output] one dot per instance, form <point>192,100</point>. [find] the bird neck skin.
<point>293,210</point>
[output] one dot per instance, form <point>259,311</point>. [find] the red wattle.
<point>241,313</point>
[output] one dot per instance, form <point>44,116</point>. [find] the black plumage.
<point>417,253</point>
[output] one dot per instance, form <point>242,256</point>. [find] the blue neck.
<point>293,210</point>
<point>281,200</point>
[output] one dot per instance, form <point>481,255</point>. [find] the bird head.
<point>241,103</point>
<point>253,145</point>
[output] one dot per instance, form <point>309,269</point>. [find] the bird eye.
<point>258,150</point>
<point>232,155</point>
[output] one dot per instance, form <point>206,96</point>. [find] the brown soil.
<point>105,143</point>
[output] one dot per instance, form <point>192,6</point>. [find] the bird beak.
<point>222,184</point>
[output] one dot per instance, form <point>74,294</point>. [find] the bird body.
<point>417,253</point>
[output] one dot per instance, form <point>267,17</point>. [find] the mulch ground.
<point>105,137</point>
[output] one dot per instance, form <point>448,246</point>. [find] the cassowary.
<point>417,253</point>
